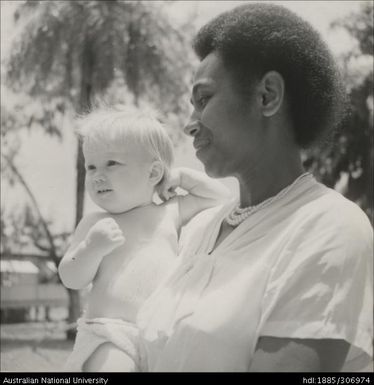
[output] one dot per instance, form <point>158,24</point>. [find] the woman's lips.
<point>201,143</point>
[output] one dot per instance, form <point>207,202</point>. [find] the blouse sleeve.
<point>321,285</point>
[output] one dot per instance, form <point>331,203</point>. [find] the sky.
<point>48,166</point>
<point>318,13</point>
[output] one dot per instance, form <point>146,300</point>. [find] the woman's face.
<point>224,124</point>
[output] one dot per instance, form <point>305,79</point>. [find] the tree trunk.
<point>74,313</point>
<point>80,176</point>
<point>84,106</point>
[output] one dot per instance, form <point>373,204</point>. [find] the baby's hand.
<point>167,189</point>
<point>104,236</point>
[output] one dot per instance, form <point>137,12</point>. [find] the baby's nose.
<point>99,178</point>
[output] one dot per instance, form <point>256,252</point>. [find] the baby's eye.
<point>90,167</point>
<point>112,163</point>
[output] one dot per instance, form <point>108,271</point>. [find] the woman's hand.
<point>168,187</point>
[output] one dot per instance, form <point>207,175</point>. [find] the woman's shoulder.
<point>332,221</point>
<point>332,209</point>
<point>329,230</point>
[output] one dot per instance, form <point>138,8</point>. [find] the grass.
<point>34,347</point>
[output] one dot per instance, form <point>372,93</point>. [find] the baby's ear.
<point>156,172</point>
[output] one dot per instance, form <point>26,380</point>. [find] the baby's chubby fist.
<point>104,236</point>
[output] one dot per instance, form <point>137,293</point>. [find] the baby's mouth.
<point>104,190</point>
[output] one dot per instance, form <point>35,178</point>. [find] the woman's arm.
<point>202,192</point>
<point>274,354</point>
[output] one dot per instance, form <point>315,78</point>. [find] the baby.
<point>126,250</point>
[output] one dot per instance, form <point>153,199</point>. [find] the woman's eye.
<point>112,163</point>
<point>203,101</point>
<point>90,167</point>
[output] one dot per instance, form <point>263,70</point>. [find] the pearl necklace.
<point>238,214</point>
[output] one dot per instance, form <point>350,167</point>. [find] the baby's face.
<point>118,181</point>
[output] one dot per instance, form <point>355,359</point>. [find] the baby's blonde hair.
<point>114,127</point>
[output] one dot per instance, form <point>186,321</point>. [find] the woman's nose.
<point>192,127</point>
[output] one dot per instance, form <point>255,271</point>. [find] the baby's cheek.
<point>87,181</point>
<point>89,188</point>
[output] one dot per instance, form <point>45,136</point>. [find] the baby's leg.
<point>108,358</point>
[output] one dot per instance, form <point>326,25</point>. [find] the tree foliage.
<point>351,155</point>
<point>62,42</point>
<point>21,228</point>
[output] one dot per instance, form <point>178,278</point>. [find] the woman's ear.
<point>272,93</point>
<point>156,172</point>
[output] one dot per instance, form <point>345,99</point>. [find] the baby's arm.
<point>92,241</point>
<point>203,192</point>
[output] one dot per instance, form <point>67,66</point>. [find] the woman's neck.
<point>269,177</point>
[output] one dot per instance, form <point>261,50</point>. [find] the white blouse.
<point>300,268</point>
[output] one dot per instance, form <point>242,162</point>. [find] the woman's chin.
<point>214,170</point>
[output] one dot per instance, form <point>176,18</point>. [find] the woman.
<point>282,279</point>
